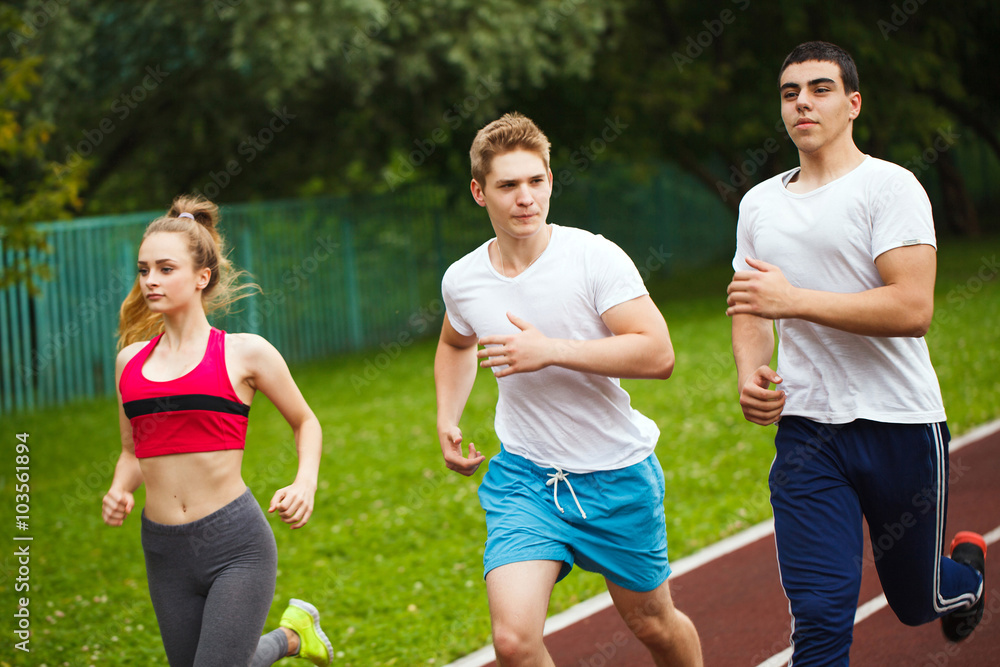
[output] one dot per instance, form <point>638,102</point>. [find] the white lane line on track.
<point>864,611</point>
<point>602,601</point>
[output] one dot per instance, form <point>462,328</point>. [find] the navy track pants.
<point>823,479</point>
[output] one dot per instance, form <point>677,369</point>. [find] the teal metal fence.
<point>337,274</point>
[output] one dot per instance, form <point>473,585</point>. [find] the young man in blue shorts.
<point>839,254</point>
<point>561,315</point>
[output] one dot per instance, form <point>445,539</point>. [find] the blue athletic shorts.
<point>624,534</point>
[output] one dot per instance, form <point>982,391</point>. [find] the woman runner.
<point>184,398</point>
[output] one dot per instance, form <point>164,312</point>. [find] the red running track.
<point>741,613</point>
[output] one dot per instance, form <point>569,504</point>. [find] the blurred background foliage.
<point>112,107</point>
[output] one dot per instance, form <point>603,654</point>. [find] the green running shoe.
<point>303,619</point>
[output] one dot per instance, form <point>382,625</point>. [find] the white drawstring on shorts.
<point>554,479</point>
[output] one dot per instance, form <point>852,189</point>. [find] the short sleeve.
<point>901,213</point>
<point>615,278</point>
<point>451,306</point>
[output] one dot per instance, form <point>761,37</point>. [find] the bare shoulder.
<point>249,347</point>
<point>126,354</point>
<point>253,360</point>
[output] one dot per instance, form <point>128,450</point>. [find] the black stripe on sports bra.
<point>150,406</point>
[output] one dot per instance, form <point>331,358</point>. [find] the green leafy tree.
<point>249,100</point>
<point>696,83</point>
<point>246,100</point>
<point>32,187</point>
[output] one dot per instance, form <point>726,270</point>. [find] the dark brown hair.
<point>825,52</point>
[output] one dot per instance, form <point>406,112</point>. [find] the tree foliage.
<point>32,188</point>
<point>707,96</point>
<point>243,99</point>
<point>366,91</point>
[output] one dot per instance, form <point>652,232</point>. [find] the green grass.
<point>392,555</point>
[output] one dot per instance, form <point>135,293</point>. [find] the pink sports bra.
<point>197,412</point>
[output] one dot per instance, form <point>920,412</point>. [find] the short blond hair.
<point>512,131</point>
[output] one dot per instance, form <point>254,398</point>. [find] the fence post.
<point>354,323</point>
<point>19,327</point>
<point>662,212</point>
<point>246,264</point>
<point>41,366</point>
<point>7,334</point>
<point>438,244</point>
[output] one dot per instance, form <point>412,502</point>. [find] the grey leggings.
<point>212,584</point>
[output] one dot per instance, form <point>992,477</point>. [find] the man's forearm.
<point>631,355</point>
<point>753,345</point>
<point>879,312</point>
<point>454,375</point>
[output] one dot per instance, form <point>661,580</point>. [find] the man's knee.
<point>654,623</point>
<point>824,618</point>
<point>514,645</point>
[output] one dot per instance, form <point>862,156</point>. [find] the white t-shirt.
<point>828,239</point>
<point>581,422</point>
